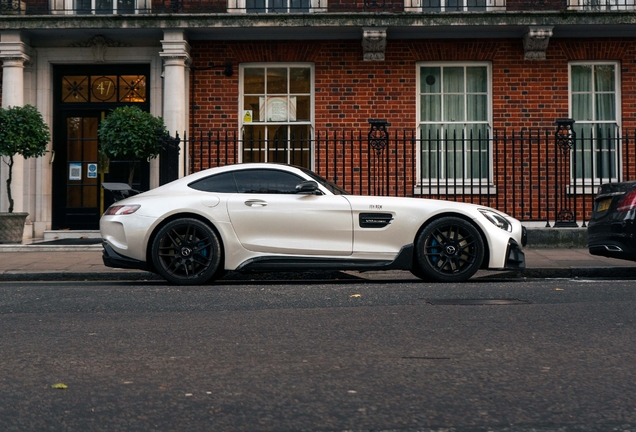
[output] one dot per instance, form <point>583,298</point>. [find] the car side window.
<point>266,181</point>
<point>220,183</point>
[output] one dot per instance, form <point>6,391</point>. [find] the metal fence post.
<point>169,159</point>
<point>378,142</point>
<point>565,137</point>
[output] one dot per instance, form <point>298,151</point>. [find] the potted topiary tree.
<point>22,132</point>
<point>129,132</point>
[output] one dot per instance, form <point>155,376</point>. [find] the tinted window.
<point>266,181</point>
<point>331,187</point>
<point>221,183</point>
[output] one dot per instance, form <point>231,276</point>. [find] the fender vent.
<point>375,220</point>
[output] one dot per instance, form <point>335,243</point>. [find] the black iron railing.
<point>136,7</point>
<point>526,174</point>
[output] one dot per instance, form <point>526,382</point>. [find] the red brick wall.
<point>348,91</point>
<point>527,95</point>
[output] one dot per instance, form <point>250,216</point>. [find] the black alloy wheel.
<point>450,249</point>
<point>186,252</point>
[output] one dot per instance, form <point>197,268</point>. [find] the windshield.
<point>331,187</point>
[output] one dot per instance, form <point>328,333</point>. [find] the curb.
<point>535,273</point>
<point>553,238</point>
<point>581,272</point>
<point>56,276</point>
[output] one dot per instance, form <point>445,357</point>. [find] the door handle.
<point>255,203</point>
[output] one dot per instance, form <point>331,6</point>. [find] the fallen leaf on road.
<point>59,386</point>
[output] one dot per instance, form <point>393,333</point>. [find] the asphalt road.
<point>319,356</point>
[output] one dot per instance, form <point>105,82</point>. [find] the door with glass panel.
<point>80,169</point>
<point>83,96</point>
<point>76,191</point>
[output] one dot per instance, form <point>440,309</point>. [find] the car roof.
<point>240,167</point>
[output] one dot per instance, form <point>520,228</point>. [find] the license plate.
<point>604,205</point>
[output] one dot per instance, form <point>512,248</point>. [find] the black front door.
<point>76,186</point>
<point>79,169</point>
<point>83,99</point>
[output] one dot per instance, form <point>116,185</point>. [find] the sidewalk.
<point>49,263</point>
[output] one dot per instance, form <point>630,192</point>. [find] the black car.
<point>611,231</point>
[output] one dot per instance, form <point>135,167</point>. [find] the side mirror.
<point>308,187</point>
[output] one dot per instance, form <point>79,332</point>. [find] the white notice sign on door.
<point>74,171</point>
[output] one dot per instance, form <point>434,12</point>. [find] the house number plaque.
<point>104,88</point>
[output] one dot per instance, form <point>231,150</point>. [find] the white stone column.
<point>13,56</point>
<point>176,57</point>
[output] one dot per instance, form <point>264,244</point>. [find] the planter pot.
<point>12,227</point>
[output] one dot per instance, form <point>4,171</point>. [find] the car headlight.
<point>121,210</point>
<point>497,219</point>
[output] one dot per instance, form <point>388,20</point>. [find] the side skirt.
<point>403,261</point>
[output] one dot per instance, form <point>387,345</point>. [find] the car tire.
<point>450,249</point>
<point>186,252</point>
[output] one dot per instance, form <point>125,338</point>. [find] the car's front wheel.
<point>450,249</point>
<point>186,252</point>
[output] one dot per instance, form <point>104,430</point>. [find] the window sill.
<point>455,190</point>
<point>583,189</point>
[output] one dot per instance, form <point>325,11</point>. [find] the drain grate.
<point>476,302</point>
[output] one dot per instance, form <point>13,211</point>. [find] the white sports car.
<point>271,217</point>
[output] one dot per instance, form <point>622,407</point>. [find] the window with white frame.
<point>594,105</point>
<point>602,5</point>
<point>276,6</point>
<point>101,7</point>
<point>454,112</point>
<point>277,113</point>
<point>453,5</point>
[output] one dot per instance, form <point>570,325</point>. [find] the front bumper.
<point>115,260</point>
<point>515,258</point>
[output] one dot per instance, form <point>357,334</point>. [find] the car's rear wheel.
<point>450,249</point>
<point>186,252</point>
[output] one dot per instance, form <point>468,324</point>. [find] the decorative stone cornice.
<point>98,45</point>
<point>13,51</point>
<point>175,47</point>
<point>535,42</point>
<point>373,43</point>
